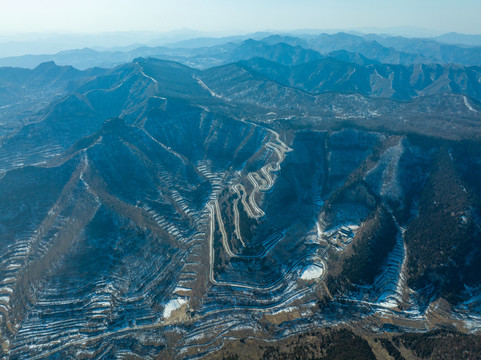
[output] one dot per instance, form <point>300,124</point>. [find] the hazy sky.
<point>236,15</point>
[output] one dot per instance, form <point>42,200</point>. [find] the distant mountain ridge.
<point>24,92</point>
<point>212,52</point>
<point>377,80</point>
<point>457,38</point>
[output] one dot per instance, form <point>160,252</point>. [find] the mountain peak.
<point>47,65</point>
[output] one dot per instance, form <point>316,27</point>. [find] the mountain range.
<point>272,201</point>
<point>286,49</point>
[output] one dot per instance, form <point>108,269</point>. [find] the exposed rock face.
<point>158,210</point>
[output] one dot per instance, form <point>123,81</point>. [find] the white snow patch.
<point>148,77</point>
<point>13,267</point>
<point>472,323</point>
<point>387,300</point>
<point>8,280</point>
<point>312,272</point>
<point>468,105</point>
<point>283,310</point>
<point>201,83</point>
<point>181,288</point>
<point>173,305</point>
<point>102,304</point>
<point>6,290</point>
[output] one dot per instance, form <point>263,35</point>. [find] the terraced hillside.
<point>159,211</point>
